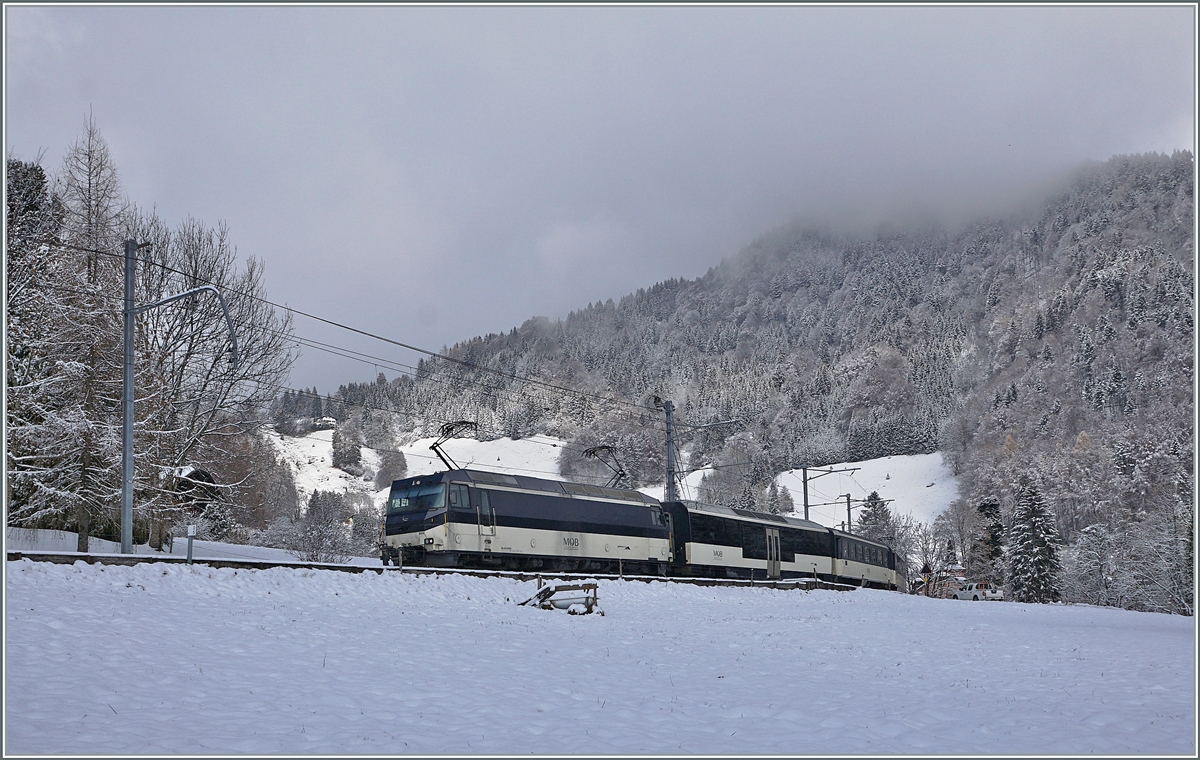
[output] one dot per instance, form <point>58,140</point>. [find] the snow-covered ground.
<point>920,485</point>
<point>311,460</point>
<point>36,540</point>
<point>173,659</point>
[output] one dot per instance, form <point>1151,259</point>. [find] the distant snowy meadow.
<point>174,659</point>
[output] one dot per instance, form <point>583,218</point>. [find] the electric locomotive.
<point>472,518</point>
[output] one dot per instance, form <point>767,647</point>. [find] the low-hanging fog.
<point>434,173</point>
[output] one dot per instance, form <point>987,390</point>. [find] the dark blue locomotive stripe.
<point>548,512</point>
<point>532,515</point>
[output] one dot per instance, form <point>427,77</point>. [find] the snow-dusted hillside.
<point>159,659</point>
<point>920,485</point>
<point>310,458</point>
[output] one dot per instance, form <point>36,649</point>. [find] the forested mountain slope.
<point>1051,352</point>
<point>833,349</point>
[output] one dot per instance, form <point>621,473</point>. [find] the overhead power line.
<point>375,336</point>
<point>647,415</point>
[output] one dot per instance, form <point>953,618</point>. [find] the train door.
<point>772,552</point>
<point>681,532</point>
<point>485,516</point>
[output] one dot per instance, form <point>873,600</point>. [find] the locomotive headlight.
<point>428,541</point>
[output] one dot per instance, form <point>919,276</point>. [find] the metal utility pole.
<point>130,311</point>
<point>672,492</point>
<point>804,473</point>
<point>131,247</point>
<point>849,524</point>
<point>667,406</point>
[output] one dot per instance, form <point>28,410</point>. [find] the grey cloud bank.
<point>436,173</point>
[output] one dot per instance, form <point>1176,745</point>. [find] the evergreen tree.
<point>877,522</point>
<point>950,556</point>
<point>34,400</point>
<point>772,504</point>
<point>987,550</point>
<point>785,501</point>
<point>347,454</point>
<point>392,466</point>
<point>748,498</point>
<point>1033,564</point>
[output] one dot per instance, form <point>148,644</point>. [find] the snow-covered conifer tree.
<point>772,502</point>
<point>876,522</point>
<point>1033,565</point>
<point>347,454</point>
<point>987,549</point>
<point>34,379</point>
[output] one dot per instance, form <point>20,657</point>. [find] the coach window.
<point>730,533</point>
<point>754,541</point>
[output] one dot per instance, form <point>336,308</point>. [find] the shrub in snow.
<point>319,535</point>
<point>392,466</point>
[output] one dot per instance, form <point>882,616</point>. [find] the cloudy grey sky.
<point>434,173</point>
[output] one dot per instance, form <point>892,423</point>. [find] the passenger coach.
<point>725,542</point>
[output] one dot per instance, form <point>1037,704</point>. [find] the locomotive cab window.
<point>417,498</point>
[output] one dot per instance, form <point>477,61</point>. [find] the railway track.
<point>68,558</point>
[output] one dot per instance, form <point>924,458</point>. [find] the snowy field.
<point>171,659</point>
